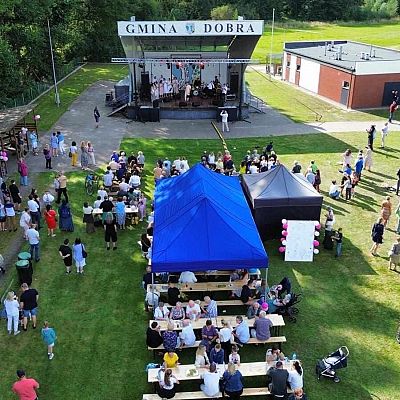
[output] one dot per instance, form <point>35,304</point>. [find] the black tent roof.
<point>279,187</point>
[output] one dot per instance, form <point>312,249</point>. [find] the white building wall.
<point>377,67</point>
<point>292,73</point>
<point>309,75</point>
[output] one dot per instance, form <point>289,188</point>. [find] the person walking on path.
<point>49,337</point>
<point>62,187</point>
<point>50,217</point>
<point>384,133</point>
<point>392,109</point>
<point>65,252</point>
<point>110,231</point>
<point>54,145</point>
<point>73,153</point>
<point>34,142</point>
<point>79,255</point>
<point>371,136</point>
<point>84,155</point>
<point>25,388</point>
<point>11,306</point>
<point>60,139</point>
<point>34,242</point>
<point>96,115</point>
<point>224,120</point>
<point>23,172</point>
<point>33,210</point>
<point>90,150</point>
<point>10,215</point>
<point>28,303</point>
<point>377,235</point>
<point>47,156</point>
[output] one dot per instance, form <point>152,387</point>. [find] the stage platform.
<point>196,108</point>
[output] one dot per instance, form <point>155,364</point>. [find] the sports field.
<point>384,34</point>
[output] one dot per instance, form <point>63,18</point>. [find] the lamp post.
<point>57,96</point>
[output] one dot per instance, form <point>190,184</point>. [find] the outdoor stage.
<point>202,61</point>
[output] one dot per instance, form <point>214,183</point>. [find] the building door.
<point>344,95</point>
<point>387,92</point>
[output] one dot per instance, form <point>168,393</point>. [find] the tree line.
<point>85,30</point>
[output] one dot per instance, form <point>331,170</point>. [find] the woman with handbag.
<point>79,255</point>
<point>232,382</point>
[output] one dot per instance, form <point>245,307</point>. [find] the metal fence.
<point>38,88</point>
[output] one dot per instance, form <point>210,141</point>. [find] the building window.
<point>346,85</point>
<point>288,64</point>
<point>298,67</point>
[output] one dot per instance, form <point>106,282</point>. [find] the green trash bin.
<point>25,255</point>
<point>24,270</point>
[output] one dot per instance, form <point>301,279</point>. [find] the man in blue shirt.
<point>60,138</point>
<point>359,167</point>
<point>241,332</point>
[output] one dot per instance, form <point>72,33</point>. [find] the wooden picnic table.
<point>200,286</point>
<point>277,320</point>
<point>182,372</point>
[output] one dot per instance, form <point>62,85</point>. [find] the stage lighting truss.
<point>182,61</point>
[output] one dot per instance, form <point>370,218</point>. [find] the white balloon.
<point>284,221</point>
<point>316,251</point>
<point>316,233</point>
<point>284,242</point>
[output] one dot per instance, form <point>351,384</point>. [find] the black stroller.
<point>289,310</point>
<point>328,365</point>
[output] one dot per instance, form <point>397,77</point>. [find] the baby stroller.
<point>328,365</point>
<point>289,310</point>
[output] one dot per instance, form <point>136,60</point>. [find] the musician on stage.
<point>175,86</point>
<point>188,89</point>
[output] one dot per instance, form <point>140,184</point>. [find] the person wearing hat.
<point>25,388</point>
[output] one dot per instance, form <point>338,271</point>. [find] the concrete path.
<point>78,124</point>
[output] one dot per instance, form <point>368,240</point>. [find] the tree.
<point>224,12</point>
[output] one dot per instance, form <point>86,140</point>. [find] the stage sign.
<point>191,28</point>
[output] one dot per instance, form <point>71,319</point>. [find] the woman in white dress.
<point>368,159</point>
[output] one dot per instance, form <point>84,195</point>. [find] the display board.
<point>300,241</point>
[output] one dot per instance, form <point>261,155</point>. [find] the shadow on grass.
<point>386,154</point>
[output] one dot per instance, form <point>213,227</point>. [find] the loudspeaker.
<point>182,104</point>
<point>196,104</point>
<point>234,83</point>
<point>218,103</point>
<point>156,103</point>
<point>145,89</point>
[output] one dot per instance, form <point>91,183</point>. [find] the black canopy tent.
<point>278,194</point>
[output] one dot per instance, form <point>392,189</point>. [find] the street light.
<point>57,96</point>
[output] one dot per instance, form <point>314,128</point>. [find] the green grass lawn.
<point>301,106</point>
<point>384,33</point>
<point>100,320</point>
<point>72,87</point>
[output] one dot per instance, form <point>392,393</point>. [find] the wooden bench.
<point>264,391</point>
<point>272,339</point>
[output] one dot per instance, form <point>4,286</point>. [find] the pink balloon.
<point>285,226</point>
<point>281,249</point>
<point>282,239</point>
<point>318,226</point>
<point>284,233</point>
<point>316,243</point>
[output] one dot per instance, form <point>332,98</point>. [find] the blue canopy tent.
<point>202,222</point>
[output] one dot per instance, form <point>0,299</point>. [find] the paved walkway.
<point>78,124</point>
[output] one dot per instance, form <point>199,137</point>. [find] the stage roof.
<point>202,222</point>
<point>238,36</point>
